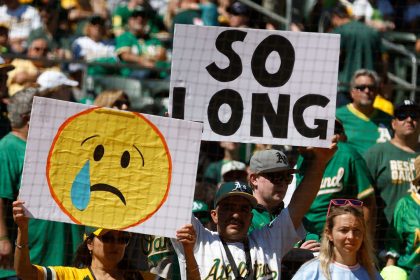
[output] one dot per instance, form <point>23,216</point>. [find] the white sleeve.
<point>199,228</point>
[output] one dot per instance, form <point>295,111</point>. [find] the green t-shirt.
<point>363,132</point>
<point>12,154</point>
<point>407,226</point>
<point>360,48</point>
<point>392,170</point>
<point>262,217</point>
<point>139,46</point>
<point>50,243</point>
<point>345,176</point>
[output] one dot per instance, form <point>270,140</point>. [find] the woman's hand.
<point>312,245</point>
<point>187,237</point>
<point>19,214</point>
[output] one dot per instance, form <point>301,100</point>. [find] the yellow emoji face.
<point>108,168</point>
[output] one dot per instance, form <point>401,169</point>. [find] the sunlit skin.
<point>363,100</point>
<point>269,194</point>
<point>406,127</point>
<point>233,217</point>
<point>347,237</point>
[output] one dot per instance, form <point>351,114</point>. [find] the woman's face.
<point>110,247</point>
<point>347,236</point>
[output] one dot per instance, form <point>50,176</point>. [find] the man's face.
<point>270,188</point>
<point>406,123</point>
<point>137,24</point>
<point>38,48</point>
<point>364,91</point>
<point>233,217</point>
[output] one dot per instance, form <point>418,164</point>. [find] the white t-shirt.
<point>20,21</point>
<point>85,47</point>
<point>312,271</point>
<point>267,247</point>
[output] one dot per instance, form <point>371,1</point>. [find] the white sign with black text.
<point>256,86</point>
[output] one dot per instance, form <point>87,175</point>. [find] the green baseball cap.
<point>235,189</point>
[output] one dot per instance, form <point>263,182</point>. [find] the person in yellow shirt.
<point>100,256</point>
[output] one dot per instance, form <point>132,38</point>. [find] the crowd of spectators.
<point>49,47</point>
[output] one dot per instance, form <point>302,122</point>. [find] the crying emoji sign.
<point>109,168</point>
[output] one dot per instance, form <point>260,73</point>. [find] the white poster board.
<point>256,86</point>
<point>109,168</point>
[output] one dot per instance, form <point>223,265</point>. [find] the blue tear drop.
<point>80,189</point>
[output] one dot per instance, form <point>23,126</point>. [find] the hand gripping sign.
<point>256,86</point>
<point>108,168</point>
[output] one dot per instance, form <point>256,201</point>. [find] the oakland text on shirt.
<point>402,171</point>
<point>221,272</point>
<point>156,248</point>
<point>332,184</point>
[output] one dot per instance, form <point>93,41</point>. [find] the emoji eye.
<point>98,153</point>
<point>125,159</point>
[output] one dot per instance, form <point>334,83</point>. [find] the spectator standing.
<point>20,19</point>
<point>27,71</point>
<point>270,175</point>
<point>360,47</point>
<point>364,125</point>
<point>259,253</point>
<point>406,245</point>
<point>392,163</point>
<point>51,243</point>
<point>346,248</point>
<point>346,176</point>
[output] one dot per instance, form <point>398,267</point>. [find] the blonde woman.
<point>346,249</point>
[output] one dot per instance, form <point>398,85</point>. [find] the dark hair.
<point>83,259</point>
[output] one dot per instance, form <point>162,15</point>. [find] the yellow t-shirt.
<point>67,272</point>
<point>63,272</point>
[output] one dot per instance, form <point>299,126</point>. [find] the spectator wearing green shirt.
<point>137,47</point>
<point>270,175</point>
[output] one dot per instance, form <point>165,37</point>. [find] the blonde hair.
<point>365,256</point>
<point>108,97</point>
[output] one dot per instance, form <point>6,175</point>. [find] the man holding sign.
<point>230,253</point>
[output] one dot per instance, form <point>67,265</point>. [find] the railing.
<point>410,85</point>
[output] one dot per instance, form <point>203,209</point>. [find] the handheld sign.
<point>109,168</point>
<point>256,86</point>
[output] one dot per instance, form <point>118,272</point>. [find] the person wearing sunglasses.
<point>346,249</point>
<point>391,165</point>
<point>100,256</point>
<point>270,175</point>
<point>364,124</point>
<point>232,253</point>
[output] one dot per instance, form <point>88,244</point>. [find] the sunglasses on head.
<point>363,87</point>
<point>344,202</point>
<point>414,115</point>
<point>109,238</point>
<point>277,177</point>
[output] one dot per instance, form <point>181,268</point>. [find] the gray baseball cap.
<point>269,161</point>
